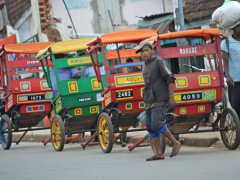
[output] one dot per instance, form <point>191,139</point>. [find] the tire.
<point>57,133</point>
<point>230,121</point>
<point>105,132</point>
<point>123,139</point>
<point>6,136</point>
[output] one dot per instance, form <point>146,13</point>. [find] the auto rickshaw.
<point>123,96</point>
<point>23,91</point>
<point>194,56</point>
<point>76,102</point>
<point>200,93</point>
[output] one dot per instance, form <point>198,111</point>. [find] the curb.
<point>188,141</point>
<point>200,142</point>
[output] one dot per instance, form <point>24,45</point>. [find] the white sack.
<point>228,15</point>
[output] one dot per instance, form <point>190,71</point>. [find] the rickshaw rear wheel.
<point>6,132</point>
<point>230,122</point>
<point>105,132</point>
<point>123,139</point>
<point>57,133</point>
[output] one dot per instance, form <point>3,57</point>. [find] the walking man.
<point>158,95</point>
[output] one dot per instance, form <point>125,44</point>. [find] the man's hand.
<point>229,81</point>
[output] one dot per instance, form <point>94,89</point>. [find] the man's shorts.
<point>155,118</point>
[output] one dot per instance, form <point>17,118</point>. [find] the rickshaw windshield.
<point>121,58</point>
<point>189,55</point>
<point>21,62</point>
<point>26,67</point>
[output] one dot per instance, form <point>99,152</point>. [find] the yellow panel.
<point>44,85</point>
<point>204,80</point>
<point>129,80</point>
<point>78,111</point>
<point>181,82</point>
<point>107,98</point>
<point>183,110</point>
<point>23,98</point>
<point>94,109</point>
<point>25,86</point>
<point>141,92</point>
<point>73,87</point>
<point>58,104</point>
<point>177,97</point>
<point>95,84</point>
<point>79,60</point>
<point>201,108</point>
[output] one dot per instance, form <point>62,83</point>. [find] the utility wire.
<point>70,18</point>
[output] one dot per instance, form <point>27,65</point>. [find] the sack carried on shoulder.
<point>142,117</point>
<point>227,16</point>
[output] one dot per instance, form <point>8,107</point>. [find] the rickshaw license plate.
<point>191,96</point>
<point>124,94</point>
<point>35,97</point>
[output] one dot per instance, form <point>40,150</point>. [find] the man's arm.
<point>226,68</point>
<point>170,80</point>
<point>171,101</point>
<point>76,73</point>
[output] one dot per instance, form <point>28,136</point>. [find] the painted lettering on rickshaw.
<point>35,97</point>
<point>58,104</point>
<point>32,63</point>
<point>77,61</point>
<point>124,94</point>
<point>191,50</point>
<point>85,99</point>
<point>128,80</point>
<point>135,79</point>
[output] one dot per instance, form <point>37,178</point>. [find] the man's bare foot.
<point>156,157</point>
<point>175,149</point>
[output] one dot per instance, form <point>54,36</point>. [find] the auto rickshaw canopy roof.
<point>65,46</point>
<point>26,48</point>
<point>205,33</point>
<point>124,36</point>
<point>8,40</point>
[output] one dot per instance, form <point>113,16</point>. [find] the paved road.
<point>29,161</point>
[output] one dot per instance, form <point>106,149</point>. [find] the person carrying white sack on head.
<point>227,17</point>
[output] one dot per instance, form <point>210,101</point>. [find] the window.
<point>75,4</point>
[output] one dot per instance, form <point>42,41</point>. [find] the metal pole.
<point>164,8</point>
<point>70,18</point>
<point>180,15</point>
<point>111,20</point>
<point>179,25</point>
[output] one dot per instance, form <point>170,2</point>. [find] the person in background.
<point>132,68</point>
<point>64,74</point>
<point>158,95</point>
<point>88,71</point>
<point>231,61</point>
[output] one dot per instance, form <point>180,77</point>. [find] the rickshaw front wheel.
<point>105,132</point>
<point>230,122</point>
<point>5,132</point>
<point>57,133</point>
